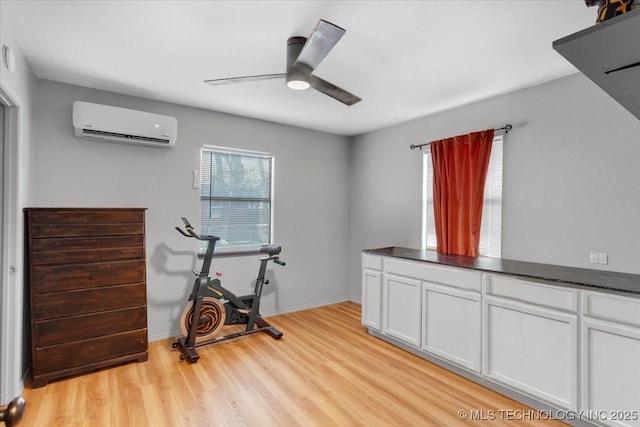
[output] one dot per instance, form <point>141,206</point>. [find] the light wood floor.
<point>325,371</point>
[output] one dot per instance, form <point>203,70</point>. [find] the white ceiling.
<point>405,59</point>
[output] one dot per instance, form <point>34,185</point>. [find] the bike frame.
<point>204,286</point>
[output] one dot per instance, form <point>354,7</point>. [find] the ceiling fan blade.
<point>323,38</point>
<point>218,82</point>
<point>334,91</point>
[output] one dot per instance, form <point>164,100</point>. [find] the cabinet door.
<point>401,308</point>
<point>371,299</point>
<point>611,371</point>
<point>451,324</point>
<point>532,349</point>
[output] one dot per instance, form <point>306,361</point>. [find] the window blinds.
<point>235,197</point>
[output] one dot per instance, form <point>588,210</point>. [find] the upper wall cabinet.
<point>609,54</point>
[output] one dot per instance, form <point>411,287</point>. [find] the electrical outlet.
<point>603,259</point>
<point>594,258</point>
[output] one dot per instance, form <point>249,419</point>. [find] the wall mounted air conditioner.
<point>106,123</point>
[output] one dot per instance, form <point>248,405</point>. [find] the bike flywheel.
<point>212,318</point>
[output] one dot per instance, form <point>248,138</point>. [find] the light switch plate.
<point>196,179</point>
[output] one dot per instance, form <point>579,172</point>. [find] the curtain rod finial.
<point>412,146</point>
<point>508,127</point>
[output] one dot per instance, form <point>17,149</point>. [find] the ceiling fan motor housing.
<point>298,76</point>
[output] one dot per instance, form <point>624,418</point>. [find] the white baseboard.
<point>306,307</point>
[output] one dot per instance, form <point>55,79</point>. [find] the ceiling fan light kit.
<point>303,56</point>
<point>298,79</point>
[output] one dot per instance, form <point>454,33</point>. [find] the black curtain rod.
<point>506,128</point>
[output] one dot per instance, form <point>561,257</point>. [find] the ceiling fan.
<point>303,56</point>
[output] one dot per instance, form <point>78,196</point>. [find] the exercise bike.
<point>212,306</point>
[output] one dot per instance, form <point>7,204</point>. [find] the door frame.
<point>11,289</point>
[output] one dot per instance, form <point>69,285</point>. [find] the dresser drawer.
<point>86,216</point>
<point>82,301</point>
<point>84,243</point>
<point>85,222</point>
<point>88,256</point>
<point>78,230</point>
<point>58,331</point>
<point>80,276</point>
<point>78,353</point>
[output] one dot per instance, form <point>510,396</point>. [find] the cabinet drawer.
<point>88,256</point>
<point>530,291</point>
<point>85,216</point>
<point>58,331</point>
<point>433,273</point>
<point>78,230</point>
<point>371,262</point>
<point>612,307</point>
<point>78,353</point>
<point>84,243</point>
<point>83,301</point>
<point>79,276</point>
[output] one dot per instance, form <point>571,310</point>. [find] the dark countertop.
<point>568,276</point>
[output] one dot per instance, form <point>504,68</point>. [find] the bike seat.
<point>215,238</point>
<point>271,250</point>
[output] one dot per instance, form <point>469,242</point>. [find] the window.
<point>236,198</point>
<point>491,228</point>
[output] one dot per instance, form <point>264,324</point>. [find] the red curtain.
<point>459,173</point>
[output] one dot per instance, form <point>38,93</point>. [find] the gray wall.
<point>17,89</point>
<point>570,187</point>
<point>571,174</point>
<point>311,197</point>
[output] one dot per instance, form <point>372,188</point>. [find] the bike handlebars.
<point>191,232</point>
<point>272,250</point>
<point>182,231</point>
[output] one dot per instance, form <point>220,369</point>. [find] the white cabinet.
<point>372,292</point>
<point>401,308</point>
<point>611,364</point>
<point>531,338</point>
<point>451,326</point>
<point>573,349</point>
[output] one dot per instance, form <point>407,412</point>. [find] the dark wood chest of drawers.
<point>87,283</point>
